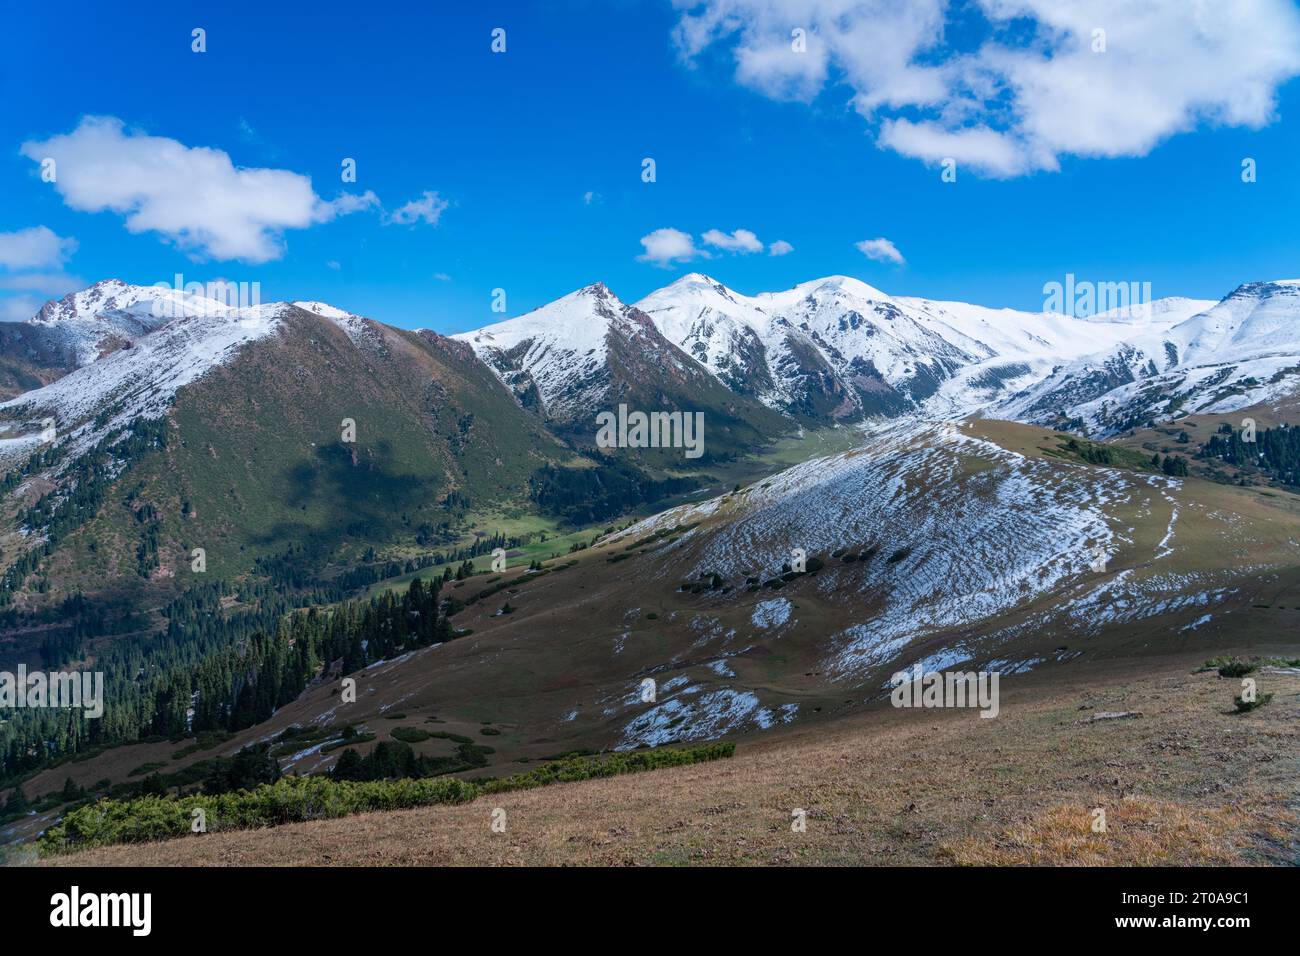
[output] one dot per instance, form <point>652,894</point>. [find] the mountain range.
<point>839,350</point>
<point>202,498</point>
<point>256,455</point>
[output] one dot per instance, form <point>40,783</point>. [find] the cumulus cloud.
<point>38,247</point>
<point>427,209</point>
<point>666,246</point>
<point>32,261</point>
<point>195,197</point>
<point>880,250</point>
<point>347,203</point>
<point>1042,84</point>
<point>742,241</point>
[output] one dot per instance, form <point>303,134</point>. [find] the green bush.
<point>454,738</point>
<point>409,735</point>
<point>290,800</point>
<point>1246,706</point>
<point>1235,669</point>
<point>297,799</point>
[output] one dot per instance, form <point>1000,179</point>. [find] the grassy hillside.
<point>1187,782</point>
<point>554,662</point>
<point>257,460</point>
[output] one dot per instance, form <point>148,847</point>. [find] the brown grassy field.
<point>1188,782</point>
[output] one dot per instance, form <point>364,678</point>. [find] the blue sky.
<point>513,143</point>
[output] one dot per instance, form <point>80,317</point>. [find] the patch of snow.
<point>771,613</point>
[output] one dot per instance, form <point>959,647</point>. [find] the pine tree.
<point>17,804</point>
<point>348,766</point>
<point>71,791</point>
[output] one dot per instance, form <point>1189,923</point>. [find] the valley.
<point>884,483</point>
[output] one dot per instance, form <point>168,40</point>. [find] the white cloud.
<point>742,241</point>
<point>52,285</point>
<point>19,308</point>
<point>591,197</point>
<point>428,209</point>
<point>1034,90</point>
<point>347,203</point>
<point>666,246</point>
<point>880,250</point>
<point>40,249</point>
<point>193,196</point>
<point>36,248</point>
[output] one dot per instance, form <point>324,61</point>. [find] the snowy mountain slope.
<point>839,347</point>
<point>589,352</point>
<point>555,357</point>
<point>131,349</point>
<point>1030,348</point>
<point>750,348</point>
<point>161,340</point>
<point>1238,352</point>
<point>256,430</point>
<point>104,315</point>
<point>84,326</point>
<point>943,545</point>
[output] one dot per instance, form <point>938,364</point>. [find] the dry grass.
<point>1139,831</point>
<point>1186,784</point>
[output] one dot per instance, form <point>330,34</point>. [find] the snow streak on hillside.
<point>559,349</point>
<point>140,344</point>
<point>958,530</point>
<point>1239,352</point>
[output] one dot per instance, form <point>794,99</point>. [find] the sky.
<point>787,145</point>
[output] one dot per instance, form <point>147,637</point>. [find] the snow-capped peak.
<point>561,347</point>
<point>832,285</point>
<point>325,310</point>
<point>1171,308</point>
<point>134,346</point>
<point>88,323</point>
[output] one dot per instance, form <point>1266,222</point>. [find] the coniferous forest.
<point>231,669</point>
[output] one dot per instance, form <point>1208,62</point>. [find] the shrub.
<point>409,735</point>
<point>297,799</point>
<point>1235,668</point>
<point>290,800</point>
<point>1245,706</point>
<point>145,768</point>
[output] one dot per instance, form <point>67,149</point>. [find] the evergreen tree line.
<point>234,669</point>
<point>81,492</point>
<point>1274,450</point>
<point>296,567</point>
